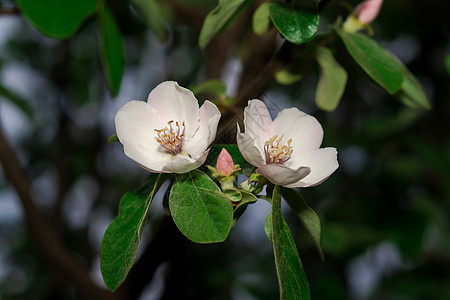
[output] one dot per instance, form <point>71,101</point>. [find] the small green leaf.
<point>306,214</point>
<point>17,100</point>
<point>154,15</point>
<point>112,139</point>
<point>199,208</point>
<point>58,19</point>
<point>291,276</point>
<point>218,18</point>
<point>210,87</point>
<point>261,19</point>
<point>121,240</point>
<point>111,49</point>
<point>333,79</point>
<point>412,93</point>
<point>447,63</point>
<point>286,77</point>
<point>381,65</point>
<point>297,21</point>
<point>247,198</point>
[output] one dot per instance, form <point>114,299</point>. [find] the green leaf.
<point>412,93</point>
<point>261,19</point>
<point>210,87</point>
<point>57,19</point>
<point>111,49</point>
<point>291,276</point>
<point>121,240</point>
<point>381,65</point>
<point>153,14</point>
<point>112,139</point>
<point>199,208</point>
<point>218,18</point>
<point>297,21</point>
<point>286,77</point>
<point>17,100</point>
<point>332,80</point>
<point>247,198</point>
<point>306,214</point>
<point>447,63</point>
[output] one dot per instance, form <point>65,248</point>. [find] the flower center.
<point>171,138</point>
<point>279,153</point>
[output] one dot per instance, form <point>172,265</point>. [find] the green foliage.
<point>412,93</point>
<point>261,18</point>
<point>17,100</point>
<point>381,65</point>
<point>153,13</point>
<point>447,63</point>
<point>122,238</point>
<point>306,214</point>
<point>332,80</point>
<point>210,87</point>
<point>291,276</point>
<point>297,21</point>
<point>286,77</point>
<point>111,49</point>
<point>199,208</point>
<point>57,19</point>
<point>218,18</point>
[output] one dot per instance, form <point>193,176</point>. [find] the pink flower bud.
<point>368,10</point>
<point>225,164</point>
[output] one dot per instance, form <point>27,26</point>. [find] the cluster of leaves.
<point>205,214</point>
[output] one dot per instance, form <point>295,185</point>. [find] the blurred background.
<point>385,212</point>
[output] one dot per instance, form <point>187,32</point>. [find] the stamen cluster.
<point>170,139</point>
<point>279,153</point>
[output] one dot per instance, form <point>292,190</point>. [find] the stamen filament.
<point>277,153</point>
<point>172,142</point>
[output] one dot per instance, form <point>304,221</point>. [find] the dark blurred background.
<point>385,212</point>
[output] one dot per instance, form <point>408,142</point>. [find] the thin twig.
<point>48,243</point>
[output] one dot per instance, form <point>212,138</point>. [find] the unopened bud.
<point>363,14</point>
<point>225,164</point>
<point>368,10</point>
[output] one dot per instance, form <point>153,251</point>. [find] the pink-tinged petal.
<point>322,162</point>
<point>148,158</point>
<point>257,121</point>
<point>368,10</point>
<point>225,164</point>
<point>182,163</point>
<point>282,175</point>
<point>206,133</point>
<point>247,145</point>
<point>304,130</point>
<point>176,103</point>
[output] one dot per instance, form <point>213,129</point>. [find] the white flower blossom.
<point>286,150</point>
<point>169,133</point>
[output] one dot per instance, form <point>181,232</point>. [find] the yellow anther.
<point>279,153</point>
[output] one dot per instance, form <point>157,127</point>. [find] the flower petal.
<point>257,121</point>
<point>322,162</point>
<point>249,150</point>
<point>304,130</point>
<point>147,158</point>
<point>206,133</point>
<point>176,103</point>
<point>282,175</point>
<point>136,121</point>
<point>182,163</point>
